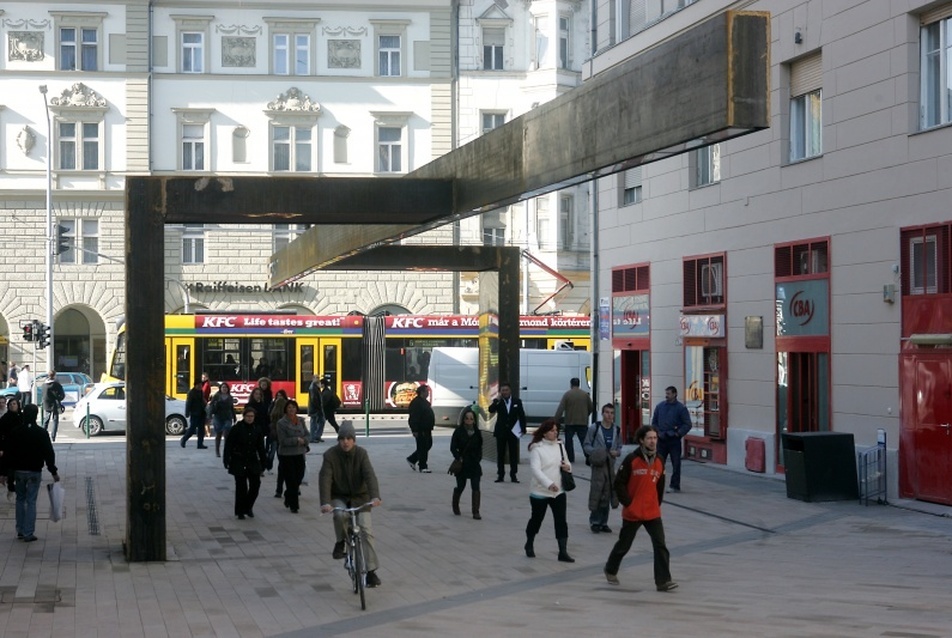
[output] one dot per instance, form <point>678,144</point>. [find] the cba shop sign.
<point>630,316</point>
<point>803,308</point>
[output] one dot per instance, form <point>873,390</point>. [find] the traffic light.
<point>29,331</point>
<point>63,243</point>
<point>42,335</point>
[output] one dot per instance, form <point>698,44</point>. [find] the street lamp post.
<point>49,227</point>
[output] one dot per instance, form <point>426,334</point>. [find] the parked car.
<point>75,386</point>
<point>106,406</point>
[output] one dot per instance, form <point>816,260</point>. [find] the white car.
<point>106,407</point>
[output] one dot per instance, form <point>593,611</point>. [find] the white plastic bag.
<point>57,501</point>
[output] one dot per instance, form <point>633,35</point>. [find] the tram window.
<point>306,371</point>
<point>330,363</point>
<point>222,358</point>
<point>271,358</point>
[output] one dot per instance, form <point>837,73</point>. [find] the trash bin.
<point>820,466</point>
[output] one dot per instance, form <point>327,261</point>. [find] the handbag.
<point>568,481</point>
<point>57,501</point>
<point>455,467</point>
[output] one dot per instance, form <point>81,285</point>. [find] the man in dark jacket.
<point>673,422</point>
<point>315,411</point>
<point>26,450</point>
<point>422,421</point>
<point>245,458</point>
<point>510,420</point>
<point>195,409</point>
<point>330,402</point>
<point>53,395</point>
<point>347,479</point>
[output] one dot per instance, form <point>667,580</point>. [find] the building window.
<point>566,222</point>
<point>192,35</point>
<point>631,279</point>
<point>292,54</point>
<point>284,234</point>
<point>493,41</point>
<point>193,52</point>
<point>565,50</point>
<point>926,267</point>
<point>291,148</point>
<point>494,236</point>
<point>704,281</point>
<point>79,145</point>
<point>389,34</point>
<point>542,221</point>
<point>389,149</point>
<point>492,120</point>
<point>806,117</point>
<point>79,40</point>
<point>82,236</point>
<point>802,259</point>
<point>935,67</point>
<point>630,187</point>
<point>193,244</point>
<point>193,147</point>
<point>707,165</point>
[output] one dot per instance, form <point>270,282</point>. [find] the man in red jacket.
<point>639,485</point>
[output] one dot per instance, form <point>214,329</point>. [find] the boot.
<point>456,494</point>
<point>530,550</point>
<point>563,553</point>
<point>476,496</point>
<point>218,444</point>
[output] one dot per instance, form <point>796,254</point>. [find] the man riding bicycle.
<point>347,479</point>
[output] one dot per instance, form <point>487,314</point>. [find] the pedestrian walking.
<point>330,403</point>
<point>292,448</point>
<point>640,488</point>
<point>26,450</point>
<point>11,420</point>
<point>315,411</point>
<point>673,422</point>
<point>25,383</point>
<point>576,407</point>
<point>223,414</point>
<point>53,395</point>
<point>244,459</point>
<point>195,409</point>
<point>466,446</point>
<point>547,460</point>
<point>602,446</point>
<point>422,421</point>
<point>510,425</point>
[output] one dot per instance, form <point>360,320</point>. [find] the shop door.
<point>933,429</point>
<point>635,393</point>
<point>179,353</point>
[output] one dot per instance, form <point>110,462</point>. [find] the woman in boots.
<point>546,459</point>
<point>467,446</point>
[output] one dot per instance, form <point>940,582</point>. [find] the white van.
<point>544,376</point>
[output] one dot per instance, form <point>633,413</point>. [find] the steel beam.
<point>707,85</point>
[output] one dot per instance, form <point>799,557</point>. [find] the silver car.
<point>106,407</point>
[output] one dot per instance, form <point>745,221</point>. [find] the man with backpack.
<point>53,395</point>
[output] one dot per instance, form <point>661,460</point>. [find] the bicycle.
<point>354,560</point>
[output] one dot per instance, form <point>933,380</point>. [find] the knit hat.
<point>346,431</point>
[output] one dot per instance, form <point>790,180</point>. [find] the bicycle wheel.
<point>359,569</point>
<point>352,567</point>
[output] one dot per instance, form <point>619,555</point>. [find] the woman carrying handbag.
<point>547,489</point>
<point>466,446</point>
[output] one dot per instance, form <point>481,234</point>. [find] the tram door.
<point>179,368</point>
<point>317,358</point>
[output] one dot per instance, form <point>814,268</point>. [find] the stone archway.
<point>79,341</point>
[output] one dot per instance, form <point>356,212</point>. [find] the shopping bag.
<point>57,501</point>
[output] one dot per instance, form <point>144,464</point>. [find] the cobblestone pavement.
<point>750,562</point>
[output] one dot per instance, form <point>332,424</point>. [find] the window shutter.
<point>494,37</point>
<point>633,177</point>
<point>643,278</point>
<point>806,75</point>
<point>618,281</point>
<point>690,283</point>
<point>939,13</point>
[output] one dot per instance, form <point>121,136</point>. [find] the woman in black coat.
<point>245,458</point>
<point>10,421</point>
<point>467,446</point>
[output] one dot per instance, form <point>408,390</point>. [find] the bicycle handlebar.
<point>353,509</point>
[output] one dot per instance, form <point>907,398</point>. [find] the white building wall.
<point>878,173</point>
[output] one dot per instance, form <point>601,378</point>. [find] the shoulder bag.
<point>568,481</point>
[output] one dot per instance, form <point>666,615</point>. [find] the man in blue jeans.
<point>26,449</point>
<point>673,422</point>
<point>577,407</point>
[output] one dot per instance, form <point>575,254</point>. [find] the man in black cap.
<point>347,479</point>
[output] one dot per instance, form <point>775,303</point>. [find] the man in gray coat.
<point>602,446</point>
<point>577,407</point>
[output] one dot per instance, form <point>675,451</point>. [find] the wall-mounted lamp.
<point>797,37</point>
<point>889,293</point>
